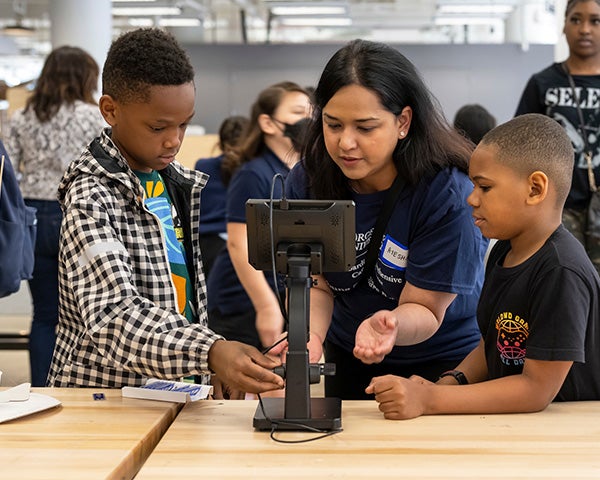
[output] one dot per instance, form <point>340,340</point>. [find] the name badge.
<point>393,254</point>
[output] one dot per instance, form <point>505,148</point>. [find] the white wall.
<point>228,77</point>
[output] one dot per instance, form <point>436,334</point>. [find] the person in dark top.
<point>213,232</point>
<point>375,123</point>
<point>474,121</point>
<point>568,92</point>
<point>539,310</point>
<point>242,302</point>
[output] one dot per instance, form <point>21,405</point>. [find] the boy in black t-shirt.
<point>539,310</point>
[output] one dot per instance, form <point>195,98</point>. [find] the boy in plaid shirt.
<point>132,289</point>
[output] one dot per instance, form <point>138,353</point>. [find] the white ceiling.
<point>238,21</point>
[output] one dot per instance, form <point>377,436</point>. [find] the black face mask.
<point>296,132</point>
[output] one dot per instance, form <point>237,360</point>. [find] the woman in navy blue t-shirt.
<point>414,311</point>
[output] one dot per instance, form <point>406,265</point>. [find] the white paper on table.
<point>36,403</point>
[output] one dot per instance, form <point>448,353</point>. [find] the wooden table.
<point>212,439</point>
<point>83,438</point>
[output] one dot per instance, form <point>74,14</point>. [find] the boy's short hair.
<point>143,58</point>
<point>533,142</point>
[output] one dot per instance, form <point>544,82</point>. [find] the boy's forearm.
<point>530,391</point>
<point>473,366</point>
<point>512,394</point>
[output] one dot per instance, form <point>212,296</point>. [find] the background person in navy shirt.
<point>213,232</point>
<point>242,303</point>
<point>374,119</point>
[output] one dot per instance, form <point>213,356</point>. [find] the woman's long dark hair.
<point>68,74</point>
<point>431,143</point>
<point>252,142</point>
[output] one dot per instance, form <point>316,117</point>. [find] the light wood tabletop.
<point>215,439</point>
<point>83,438</point>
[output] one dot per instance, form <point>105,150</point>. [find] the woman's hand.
<point>376,336</point>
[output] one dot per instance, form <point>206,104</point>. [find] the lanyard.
<point>382,220</point>
<point>588,153</point>
<point>1,173</point>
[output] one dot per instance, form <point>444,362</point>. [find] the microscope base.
<point>326,414</point>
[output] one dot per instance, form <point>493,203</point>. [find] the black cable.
<point>268,349</point>
<point>299,425</point>
<point>283,205</point>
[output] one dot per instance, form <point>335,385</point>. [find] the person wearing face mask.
<point>242,301</point>
<point>296,132</point>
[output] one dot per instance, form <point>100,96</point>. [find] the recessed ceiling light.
<point>315,22</point>
<point>145,11</point>
<point>470,9</point>
<point>179,22</point>
<point>306,10</point>
<point>468,21</point>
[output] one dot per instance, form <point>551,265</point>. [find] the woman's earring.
<point>402,133</point>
